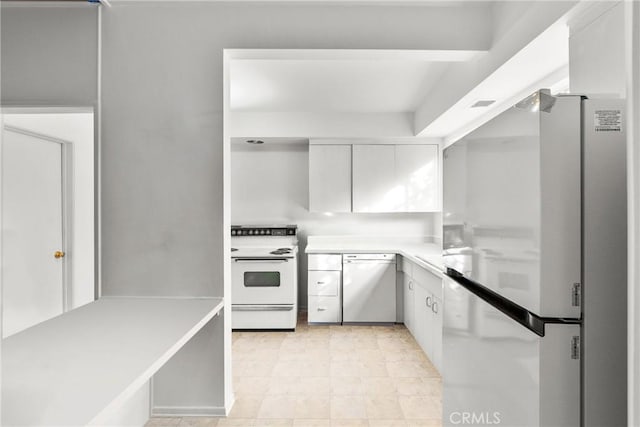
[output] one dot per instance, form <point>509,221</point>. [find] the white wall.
<point>340,125</point>
<point>270,185</point>
<point>597,53</point>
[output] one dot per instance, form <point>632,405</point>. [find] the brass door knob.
<point>59,254</point>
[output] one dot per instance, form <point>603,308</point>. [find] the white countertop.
<point>77,366</point>
<point>426,255</point>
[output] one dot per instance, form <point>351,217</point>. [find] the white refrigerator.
<point>535,249</point>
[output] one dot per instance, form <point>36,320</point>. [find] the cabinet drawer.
<point>324,309</point>
<point>324,283</point>
<point>325,262</point>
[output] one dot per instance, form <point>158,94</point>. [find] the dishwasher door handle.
<point>369,261</point>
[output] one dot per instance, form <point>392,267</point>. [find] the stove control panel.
<point>248,230</point>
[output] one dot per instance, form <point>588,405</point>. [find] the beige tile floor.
<point>329,376</point>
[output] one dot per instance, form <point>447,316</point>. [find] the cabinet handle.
<point>320,283</point>
<point>322,309</point>
<point>428,302</point>
<point>434,307</point>
<point>410,285</point>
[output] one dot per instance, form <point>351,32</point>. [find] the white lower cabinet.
<point>324,288</point>
<point>423,311</point>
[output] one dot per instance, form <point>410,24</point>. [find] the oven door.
<point>261,281</point>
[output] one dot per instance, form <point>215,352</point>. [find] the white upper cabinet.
<point>374,188</point>
<point>329,178</point>
<point>396,178</point>
<point>417,177</point>
<point>374,177</point>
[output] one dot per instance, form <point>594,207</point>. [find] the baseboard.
<point>188,411</point>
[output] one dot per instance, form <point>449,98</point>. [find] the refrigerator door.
<point>498,372</point>
<point>512,213</point>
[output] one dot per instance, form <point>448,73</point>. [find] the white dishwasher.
<point>369,288</point>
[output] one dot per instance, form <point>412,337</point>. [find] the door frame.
<point>67,203</point>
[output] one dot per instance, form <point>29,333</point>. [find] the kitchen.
<point>142,257</point>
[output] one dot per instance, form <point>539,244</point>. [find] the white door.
<point>32,231</point>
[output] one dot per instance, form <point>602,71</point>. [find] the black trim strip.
<point>518,313</point>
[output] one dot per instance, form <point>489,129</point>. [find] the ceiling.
<point>409,83</point>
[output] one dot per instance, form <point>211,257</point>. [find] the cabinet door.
<point>422,317</point>
<point>329,178</point>
<point>408,292</point>
<point>374,179</point>
<point>436,334</point>
<point>417,177</point>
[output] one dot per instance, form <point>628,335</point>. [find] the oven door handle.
<point>261,307</point>
<point>261,260</point>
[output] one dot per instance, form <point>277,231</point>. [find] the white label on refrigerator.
<point>607,120</point>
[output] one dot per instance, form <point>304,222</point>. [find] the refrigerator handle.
<point>521,315</point>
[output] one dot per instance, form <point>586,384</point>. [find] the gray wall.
<point>162,120</point>
<point>49,55</point>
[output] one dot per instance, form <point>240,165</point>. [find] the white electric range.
<point>264,276</point>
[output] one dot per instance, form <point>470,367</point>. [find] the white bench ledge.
<point>77,367</point>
